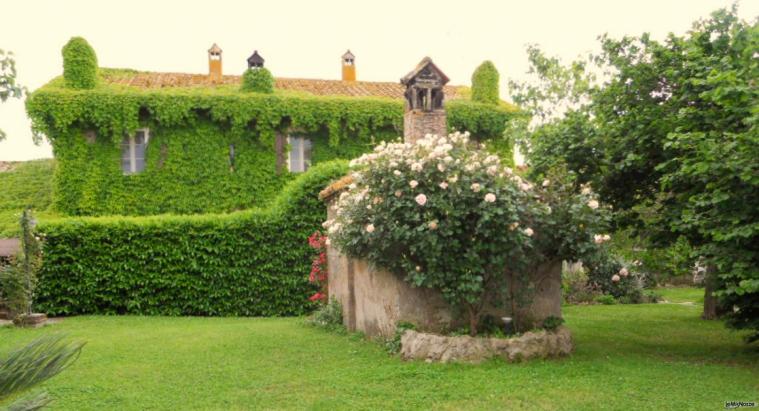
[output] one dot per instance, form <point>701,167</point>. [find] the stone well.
<point>375,300</point>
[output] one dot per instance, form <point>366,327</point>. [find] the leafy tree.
<point>485,83</point>
<point>80,64</point>
<point>675,133</point>
<point>29,366</point>
<point>258,80</point>
<point>8,86</point>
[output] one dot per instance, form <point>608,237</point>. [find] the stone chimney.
<point>214,63</point>
<point>425,113</point>
<point>349,66</point>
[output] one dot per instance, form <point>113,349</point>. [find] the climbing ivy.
<point>190,164</point>
<point>258,80</point>
<point>485,83</point>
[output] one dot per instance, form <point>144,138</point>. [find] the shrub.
<point>551,323</point>
<point>18,281</point>
<point>253,262</point>
<point>329,316</point>
<point>444,215</point>
<point>80,64</point>
<point>485,83</point>
<point>606,299</point>
<point>393,345</point>
<point>257,80</point>
<point>575,286</point>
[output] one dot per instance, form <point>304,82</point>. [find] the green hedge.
<point>250,263</point>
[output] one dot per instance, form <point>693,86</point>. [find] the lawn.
<point>650,356</point>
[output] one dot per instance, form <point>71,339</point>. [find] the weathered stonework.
<point>375,300</point>
<point>418,123</point>
<point>530,345</point>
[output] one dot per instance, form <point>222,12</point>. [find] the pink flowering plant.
<point>446,215</point>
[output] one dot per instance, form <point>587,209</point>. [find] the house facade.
<point>142,143</point>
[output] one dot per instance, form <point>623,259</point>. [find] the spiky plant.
<point>32,364</point>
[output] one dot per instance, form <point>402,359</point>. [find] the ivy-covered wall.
<point>188,170</point>
<point>191,128</point>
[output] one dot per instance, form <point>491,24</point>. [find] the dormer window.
<point>299,159</point>
<point>133,149</point>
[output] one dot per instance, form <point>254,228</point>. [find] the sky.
<point>305,39</point>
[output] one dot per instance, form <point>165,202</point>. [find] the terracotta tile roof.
<point>335,188</point>
<point>9,247</point>
<point>316,87</point>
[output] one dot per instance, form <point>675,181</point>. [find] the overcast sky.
<point>306,39</point>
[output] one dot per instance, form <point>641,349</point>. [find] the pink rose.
<point>421,199</point>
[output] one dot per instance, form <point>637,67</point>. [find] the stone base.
<point>437,348</point>
<point>418,123</point>
<point>33,320</point>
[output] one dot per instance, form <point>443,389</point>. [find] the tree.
<point>676,129</point>
<point>485,83</point>
<point>8,86</point>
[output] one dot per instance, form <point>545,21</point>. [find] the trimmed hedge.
<point>249,263</point>
<point>257,80</point>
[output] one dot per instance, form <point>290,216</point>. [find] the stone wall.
<point>375,300</point>
<point>418,123</point>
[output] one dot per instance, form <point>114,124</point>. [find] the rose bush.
<point>445,215</point>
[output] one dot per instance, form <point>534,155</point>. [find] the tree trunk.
<point>473,317</point>
<point>712,310</point>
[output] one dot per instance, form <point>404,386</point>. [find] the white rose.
<point>397,173</point>
<point>528,232</point>
<point>593,204</point>
<point>489,198</point>
<point>443,185</point>
<point>370,228</point>
<point>546,183</point>
<point>476,187</point>
<point>413,183</point>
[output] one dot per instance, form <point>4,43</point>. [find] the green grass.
<point>682,294</point>
<point>28,184</point>
<point>651,356</point>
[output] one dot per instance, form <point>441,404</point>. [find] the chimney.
<point>425,113</point>
<point>349,66</point>
<point>214,63</point>
<point>255,60</point>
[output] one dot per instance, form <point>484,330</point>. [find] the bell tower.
<point>349,66</point>
<point>214,63</point>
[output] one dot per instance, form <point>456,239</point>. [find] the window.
<point>133,152</point>
<point>300,154</point>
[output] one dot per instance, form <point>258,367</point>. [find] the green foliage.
<point>26,184</point>
<point>444,215</point>
<point>31,365</point>
<point>576,287</point>
<point>8,86</point>
<point>485,87</point>
<point>551,323</point>
<point>253,262</point>
<point>191,129</point>
<point>18,281</point>
<point>606,299</point>
<point>675,141</point>
<point>393,345</point>
<point>257,80</point>
<point>80,64</point>
<point>328,316</point>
